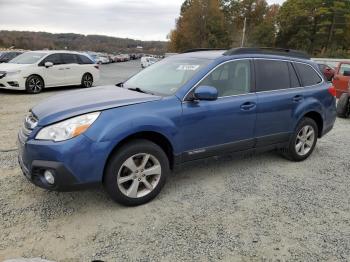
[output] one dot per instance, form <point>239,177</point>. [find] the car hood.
<point>12,67</point>
<point>83,101</point>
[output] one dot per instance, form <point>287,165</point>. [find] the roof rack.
<point>267,51</point>
<point>203,49</point>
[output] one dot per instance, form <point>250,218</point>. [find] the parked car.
<point>118,58</point>
<point>327,71</point>
<point>341,78</point>
<point>8,55</point>
<point>100,59</point>
<point>36,70</point>
<point>146,61</point>
<point>186,107</point>
<point>343,105</point>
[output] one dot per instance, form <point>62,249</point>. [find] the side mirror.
<point>208,93</point>
<point>48,64</point>
<point>346,73</point>
<point>121,84</point>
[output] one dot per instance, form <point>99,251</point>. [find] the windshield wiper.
<point>137,89</point>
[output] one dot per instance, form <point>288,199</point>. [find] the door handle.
<point>67,67</point>
<point>298,98</point>
<point>248,106</point>
<point>60,68</point>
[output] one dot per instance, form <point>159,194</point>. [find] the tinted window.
<point>229,79</point>
<point>308,75</point>
<point>54,58</point>
<point>343,68</point>
<point>271,75</point>
<point>84,59</point>
<point>69,59</point>
<point>294,81</point>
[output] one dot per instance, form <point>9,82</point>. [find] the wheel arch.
<point>317,117</point>
<point>155,137</point>
<point>35,74</point>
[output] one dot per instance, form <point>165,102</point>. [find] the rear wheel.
<point>343,106</point>
<point>136,173</point>
<point>303,141</point>
<point>87,80</point>
<point>34,84</point>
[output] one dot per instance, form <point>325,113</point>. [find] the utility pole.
<point>244,28</point>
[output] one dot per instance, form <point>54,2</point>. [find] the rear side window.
<point>308,75</point>
<point>294,81</point>
<point>271,75</point>
<point>69,59</point>
<point>84,60</point>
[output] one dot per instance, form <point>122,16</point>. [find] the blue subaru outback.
<point>186,107</point>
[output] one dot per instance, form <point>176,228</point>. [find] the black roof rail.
<point>203,49</point>
<point>267,51</point>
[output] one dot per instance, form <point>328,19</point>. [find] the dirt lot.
<point>261,208</point>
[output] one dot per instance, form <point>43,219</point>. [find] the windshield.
<point>27,58</point>
<point>167,76</point>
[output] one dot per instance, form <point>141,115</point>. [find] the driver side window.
<point>54,58</point>
<point>232,78</point>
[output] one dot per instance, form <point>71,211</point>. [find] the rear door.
<point>340,81</point>
<point>73,70</point>
<point>278,94</point>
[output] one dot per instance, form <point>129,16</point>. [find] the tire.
<point>302,142</point>
<point>137,187</point>
<point>343,106</point>
<point>34,84</point>
<point>87,80</point>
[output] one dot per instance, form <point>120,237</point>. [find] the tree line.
<point>42,40</point>
<point>319,27</point>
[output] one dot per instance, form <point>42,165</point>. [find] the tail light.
<point>97,66</point>
<point>332,91</point>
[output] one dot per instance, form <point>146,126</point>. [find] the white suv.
<point>33,71</point>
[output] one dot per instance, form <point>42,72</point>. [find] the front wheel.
<point>34,84</point>
<point>136,173</point>
<point>303,141</point>
<point>87,80</point>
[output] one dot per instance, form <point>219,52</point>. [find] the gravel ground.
<point>259,208</point>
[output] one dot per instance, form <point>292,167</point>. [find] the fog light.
<point>49,177</point>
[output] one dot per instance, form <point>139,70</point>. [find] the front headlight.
<point>12,73</point>
<point>68,128</point>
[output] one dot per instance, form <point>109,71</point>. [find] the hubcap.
<point>35,85</point>
<point>139,175</point>
<point>305,140</point>
<point>87,80</point>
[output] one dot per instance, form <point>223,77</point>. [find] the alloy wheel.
<point>87,80</point>
<point>35,85</point>
<point>305,140</point>
<point>139,175</point>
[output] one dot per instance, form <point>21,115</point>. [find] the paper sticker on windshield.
<point>188,67</point>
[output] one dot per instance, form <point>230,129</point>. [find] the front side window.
<point>308,75</point>
<point>271,75</point>
<point>232,78</point>
<point>167,76</point>
<point>27,58</point>
<point>54,58</point>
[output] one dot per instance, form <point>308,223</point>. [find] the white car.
<point>33,71</point>
<point>146,61</point>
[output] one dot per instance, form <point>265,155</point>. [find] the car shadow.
<point>46,90</point>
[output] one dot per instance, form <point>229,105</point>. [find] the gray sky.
<point>138,19</point>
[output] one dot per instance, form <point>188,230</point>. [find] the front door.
<point>227,124</point>
<point>55,75</point>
